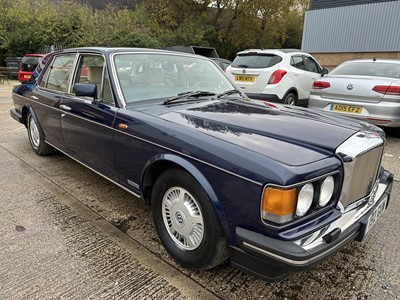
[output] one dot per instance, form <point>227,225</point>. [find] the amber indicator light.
<point>278,201</point>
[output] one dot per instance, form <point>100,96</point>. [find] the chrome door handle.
<point>34,98</point>
<point>65,107</point>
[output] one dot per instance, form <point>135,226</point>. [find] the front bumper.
<point>273,259</point>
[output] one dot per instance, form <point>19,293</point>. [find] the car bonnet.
<point>289,135</point>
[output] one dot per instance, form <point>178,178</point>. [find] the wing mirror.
<point>86,90</point>
<point>324,72</point>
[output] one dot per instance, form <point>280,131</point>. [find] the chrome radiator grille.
<point>361,166</point>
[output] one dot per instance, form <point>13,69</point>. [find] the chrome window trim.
<point>286,187</point>
<point>47,66</point>
<point>78,58</point>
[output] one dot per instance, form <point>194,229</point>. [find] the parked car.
<point>222,62</point>
<point>277,188</point>
<point>209,52</point>
<point>363,89</point>
<point>28,64</point>
<point>284,76</point>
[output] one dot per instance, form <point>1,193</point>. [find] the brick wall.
<point>331,60</point>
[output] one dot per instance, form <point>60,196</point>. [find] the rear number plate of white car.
<point>346,108</point>
<point>376,214</point>
<point>245,78</point>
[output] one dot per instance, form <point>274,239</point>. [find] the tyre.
<point>36,139</point>
<point>290,99</point>
<point>186,222</point>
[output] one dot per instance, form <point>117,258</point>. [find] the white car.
<point>284,76</point>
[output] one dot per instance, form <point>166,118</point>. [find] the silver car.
<point>363,89</point>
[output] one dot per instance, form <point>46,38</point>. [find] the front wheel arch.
<point>159,164</point>
<point>186,221</point>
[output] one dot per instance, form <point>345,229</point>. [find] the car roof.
<point>111,50</point>
<point>273,51</point>
<point>372,60</point>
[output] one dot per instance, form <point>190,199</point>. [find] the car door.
<point>50,89</point>
<point>87,124</point>
<point>303,68</point>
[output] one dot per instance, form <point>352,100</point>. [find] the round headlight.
<point>326,193</point>
<point>304,199</point>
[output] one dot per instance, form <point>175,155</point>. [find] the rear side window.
<point>57,75</point>
<point>256,60</point>
<point>378,69</point>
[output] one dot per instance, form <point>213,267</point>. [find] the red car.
<point>28,65</point>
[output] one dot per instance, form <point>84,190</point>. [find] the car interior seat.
<point>95,75</point>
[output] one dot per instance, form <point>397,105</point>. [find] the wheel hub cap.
<point>182,218</point>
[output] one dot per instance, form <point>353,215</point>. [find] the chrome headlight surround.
<point>283,205</point>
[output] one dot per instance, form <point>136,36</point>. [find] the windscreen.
<point>144,76</point>
<point>378,69</point>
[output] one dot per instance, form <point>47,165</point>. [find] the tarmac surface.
<point>67,233</point>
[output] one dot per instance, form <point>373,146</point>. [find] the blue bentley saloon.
<point>277,189</point>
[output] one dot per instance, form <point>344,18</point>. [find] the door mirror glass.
<point>324,71</point>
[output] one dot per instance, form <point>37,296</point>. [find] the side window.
<point>91,69</point>
<point>311,65</point>
<point>56,76</point>
<point>298,62</point>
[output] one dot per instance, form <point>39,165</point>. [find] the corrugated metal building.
<point>336,31</point>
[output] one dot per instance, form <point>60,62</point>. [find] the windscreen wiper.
<point>190,94</point>
<point>230,92</point>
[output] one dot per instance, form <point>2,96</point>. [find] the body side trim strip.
<point>98,173</point>
<point>191,157</point>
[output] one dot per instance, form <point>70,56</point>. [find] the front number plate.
<point>376,214</point>
<point>346,108</point>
